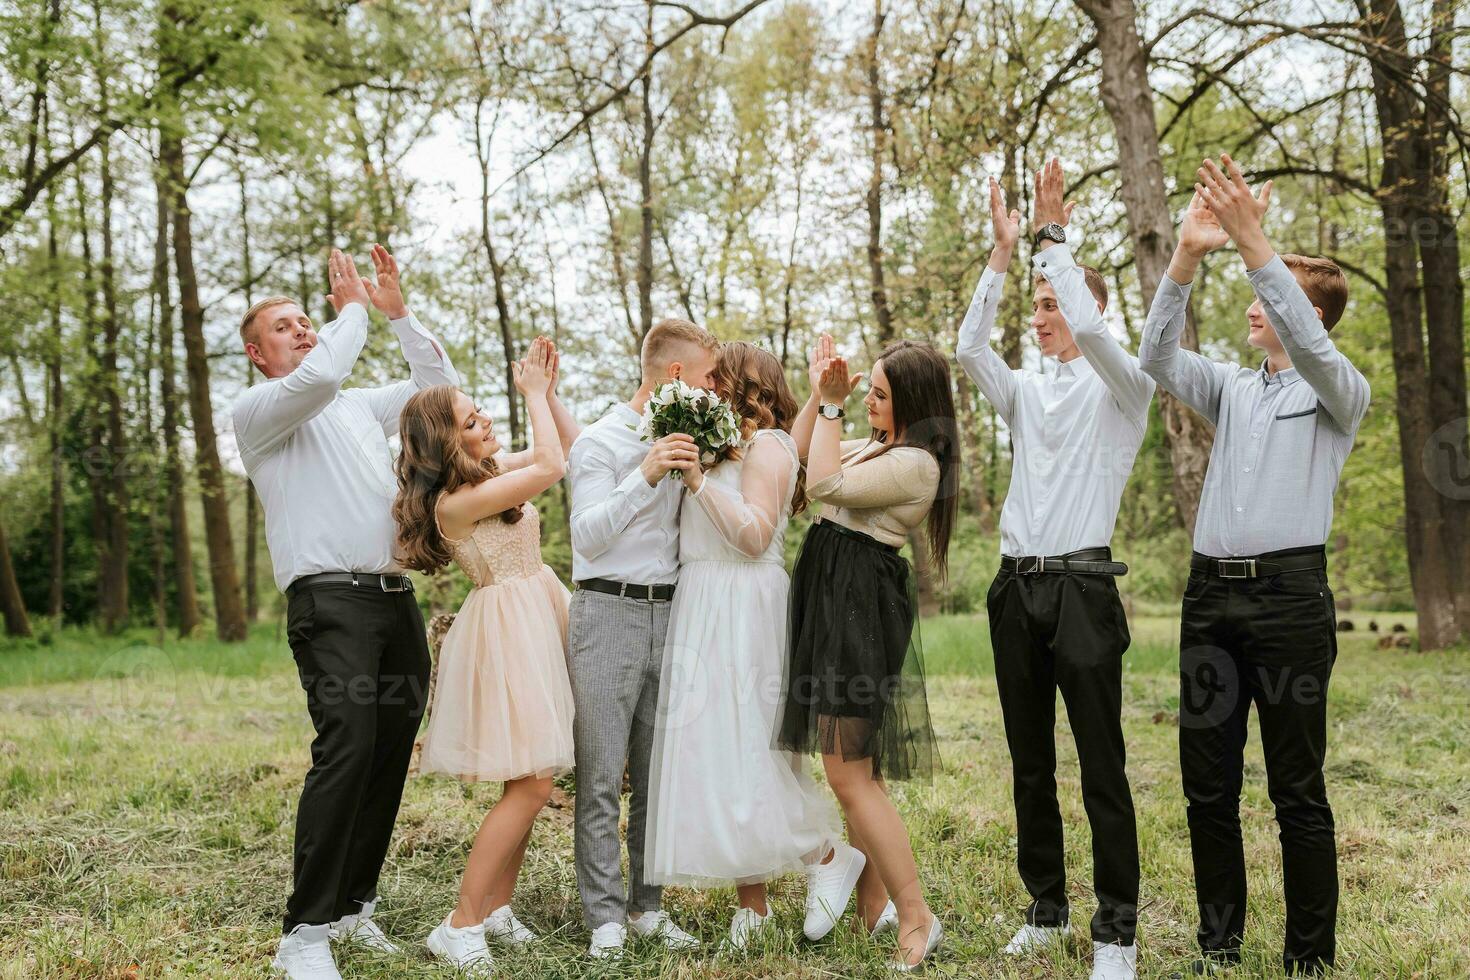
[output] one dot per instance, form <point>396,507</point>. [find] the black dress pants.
<point>1271,642</point>
<point>1067,631</point>
<point>363,660</point>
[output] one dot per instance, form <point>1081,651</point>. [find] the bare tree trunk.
<point>252,502</point>
<point>1431,419</point>
<point>55,420</point>
<point>1129,101</point>
<point>879,293</point>
<point>497,276</point>
<point>115,477</point>
<point>645,188</point>
<point>173,467</point>
<point>17,623</point>
<point>229,610</point>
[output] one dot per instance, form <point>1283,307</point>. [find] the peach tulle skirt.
<point>502,703</point>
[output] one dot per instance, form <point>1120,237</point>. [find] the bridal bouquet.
<point>702,415</point>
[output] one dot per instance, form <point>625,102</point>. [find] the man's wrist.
<point>1000,257</point>
<point>401,313</point>
<point>1254,249</point>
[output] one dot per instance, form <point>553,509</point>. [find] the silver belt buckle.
<point>1246,566</point>
<point>402,583</point>
<point>1030,565</point>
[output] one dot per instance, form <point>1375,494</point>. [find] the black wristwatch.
<point>1051,233</point>
<point>831,411</point>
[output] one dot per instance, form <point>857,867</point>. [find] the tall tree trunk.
<point>55,420</point>
<point>229,610</point>
<point>1129,102</point>
<point>645,189</point>
<point>95,464</point>
<point>114,477</point>
<point>497,278</point>
<point>173,467</point>
<point>1430,417</point>
<point>878,134</point>
<point>17,623</point>
<point>252,503</point>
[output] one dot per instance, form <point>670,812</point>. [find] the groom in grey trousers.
<point>625,561</point>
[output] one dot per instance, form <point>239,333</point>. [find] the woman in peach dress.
<point>503,704</point>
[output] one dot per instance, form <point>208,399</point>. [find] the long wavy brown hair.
<point>752,381</point>
<point>432,462</point>
<point>923,413</point>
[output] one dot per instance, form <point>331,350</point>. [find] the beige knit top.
<point>884,498</point>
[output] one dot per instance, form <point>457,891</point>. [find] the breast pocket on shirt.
<point>1297,415</point>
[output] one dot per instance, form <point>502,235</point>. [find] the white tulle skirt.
<point>727,807</point>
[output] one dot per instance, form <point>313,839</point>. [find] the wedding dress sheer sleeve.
<point>748,519</point>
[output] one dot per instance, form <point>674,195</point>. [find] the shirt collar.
<point>1077,367</point>
<point>1286,378</point>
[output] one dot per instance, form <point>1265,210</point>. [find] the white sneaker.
<point>1114,961</point>
<point>607,941</point>
<point>658,925</point>
<point>1030,938</point>
<point>745,925</point>
<point>828,887</point>
<point>463,947</point>
<point>503,927</point>
<point>305,953</point>
<point>361,929</point>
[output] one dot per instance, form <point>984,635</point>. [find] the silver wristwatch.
<point>828,410</point>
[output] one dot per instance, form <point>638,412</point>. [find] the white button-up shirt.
<point>1074,432</point>
<point>622,528</point>
<point>319,456</point>
<point>1280,439</point>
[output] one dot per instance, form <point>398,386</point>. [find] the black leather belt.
<point>365,580</point>
<point>1088,561</point>
<point>643,593</point>
<point>1260,566</point>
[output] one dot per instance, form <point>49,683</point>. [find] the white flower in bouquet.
<point>702,415</point>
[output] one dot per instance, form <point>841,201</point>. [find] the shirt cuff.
<point>1054,259</point>
<point>637,489</point>
<point>1175,291</point>
<point>1272,278</point>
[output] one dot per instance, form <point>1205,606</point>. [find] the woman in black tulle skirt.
<point>854,687</point>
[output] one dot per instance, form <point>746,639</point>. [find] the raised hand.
<point>1007,224</point>
<point>1200,232</point>
<point>834,384</point>
<point>1048,208</point>
<point>1223,189</point>
<point>533,372</point>
<point>387,292</point>
<point>345,284</point>
<point>823,351</point>
<point>555,364</point>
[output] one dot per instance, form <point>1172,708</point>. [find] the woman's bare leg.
<point>871,895</point>
<point>505,885</point>
<point>753,897</point>
<point>872,814</point>
<point>499,840</point>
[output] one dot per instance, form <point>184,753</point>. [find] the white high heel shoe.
<point>936,933</point>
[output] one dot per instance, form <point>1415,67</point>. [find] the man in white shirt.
<point>1056,621</point>
<point>625,561</point>
<point>1258,625</point>
<point>319,458</point>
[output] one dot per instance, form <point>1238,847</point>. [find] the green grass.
<point>147,797</point>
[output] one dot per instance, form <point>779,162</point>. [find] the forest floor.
<point>147,796</point>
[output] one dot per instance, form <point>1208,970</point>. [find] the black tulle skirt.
<point>854,683</point>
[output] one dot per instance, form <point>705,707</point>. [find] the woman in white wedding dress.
<point>728,808</point>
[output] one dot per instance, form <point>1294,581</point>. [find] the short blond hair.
<point>247,322</point>
<point>1095,282</point>
<point>661,343</point>
<point>1323,282</point>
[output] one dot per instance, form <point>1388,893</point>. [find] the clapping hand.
<point>822,352</point>
<point>834,384</point>
<point>1200,232</point>
<point>387,292</point>
<point>1007,224</point>
<point>533,373</point>
<point>346,285</point>
<point>1048,208</point>
<point>1225,192</point>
